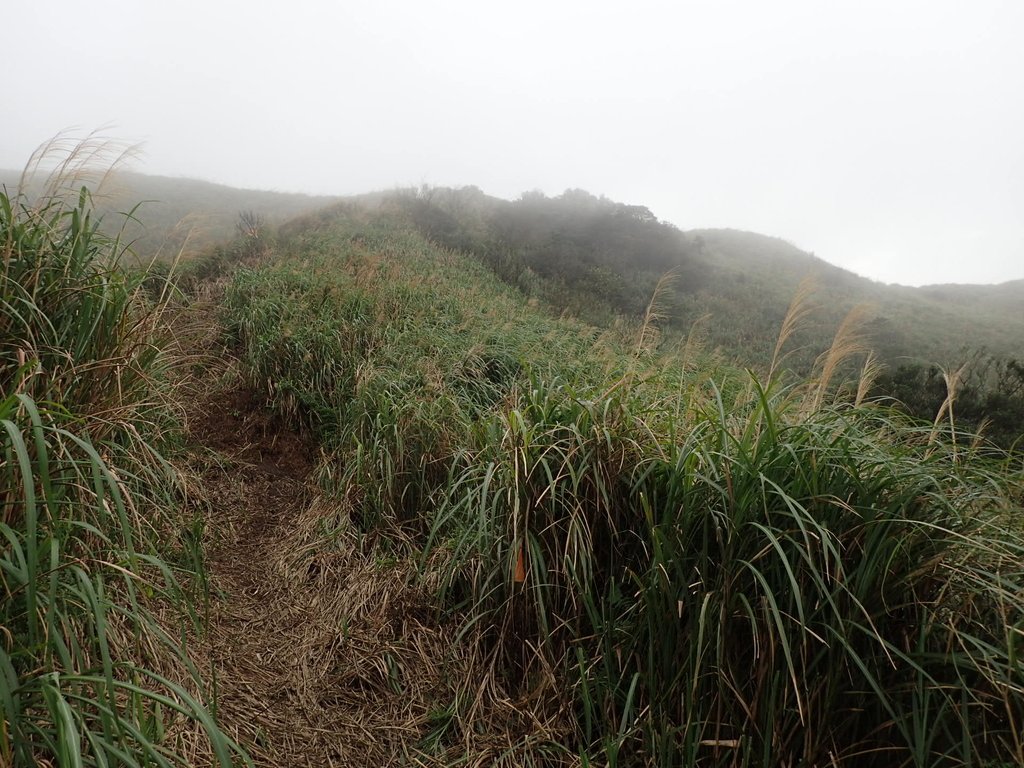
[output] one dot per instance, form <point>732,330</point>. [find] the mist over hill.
<point>172,216</point>
<point>598,259</point>
<point>934,324</point>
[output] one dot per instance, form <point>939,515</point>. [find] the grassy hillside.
<point>531,540</point>
<point>599,260</point>
<point>596,258</point>
<point>935,324</point>
<point>996,299</point>
<point>649,559</point>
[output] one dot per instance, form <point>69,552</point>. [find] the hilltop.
<point>596,258</point>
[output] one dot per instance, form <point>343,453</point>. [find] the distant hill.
<point>596,258</point>
<point>601,262</point>
<point>1004,297</point>
<point>177,214</point>
<point>750,279</point>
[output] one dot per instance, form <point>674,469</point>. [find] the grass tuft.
<point>88,675</point>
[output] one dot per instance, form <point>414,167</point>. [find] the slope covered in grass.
<point>529,540</point>
<point>599,260</point>
<point>651,559</point>
<point>595,257</point>
<point>750,274</point>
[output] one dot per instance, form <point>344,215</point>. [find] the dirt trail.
<point>325,653</point>
<point>324,643</point>
<point>255,486</point>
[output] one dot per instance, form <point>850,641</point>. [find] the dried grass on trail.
<point>326,654</point>
<point>319,656</point>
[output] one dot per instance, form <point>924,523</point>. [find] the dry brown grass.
<point>326,646</point>
<point>800,308</point>
<point>952,379</point>
<point>849,342</point>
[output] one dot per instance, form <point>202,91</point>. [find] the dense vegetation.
<point>643,555</point>
<point>585,255</point>
<point>988,395</point>
<point>658,559</point>
<point>596,259</point>
<point>94,544</point>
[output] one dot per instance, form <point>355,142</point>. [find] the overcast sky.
<point>886,136</point>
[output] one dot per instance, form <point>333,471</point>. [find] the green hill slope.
<point>600,260</point>
<point>751,278</point>
<point>595,258</point>
<point>497,536</point>
<point>642,558</point>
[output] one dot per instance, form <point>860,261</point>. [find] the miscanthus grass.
<point>656,560</point>
<point>88,675</point>
<point>757,590</point>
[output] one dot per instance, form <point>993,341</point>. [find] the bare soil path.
<point>255,484</point>
<point>325,654</point>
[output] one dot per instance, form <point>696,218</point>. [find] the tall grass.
<point>760,590</point>
<point>390,360</point>
<point>88,676</point>
<point>662,566</point>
